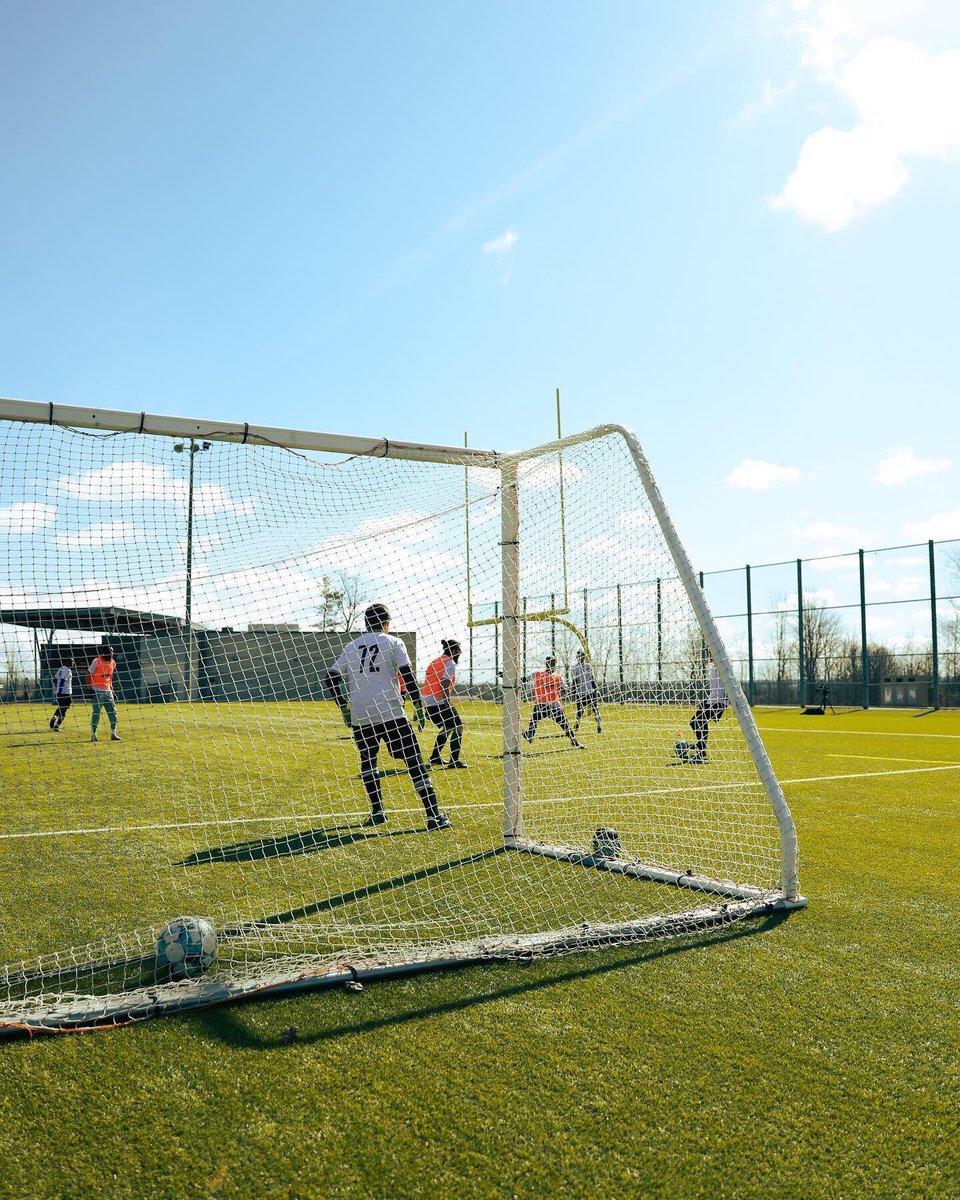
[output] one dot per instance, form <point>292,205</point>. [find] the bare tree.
<point>823,639</point>
<point>341,601</point>
<point>783,641</point>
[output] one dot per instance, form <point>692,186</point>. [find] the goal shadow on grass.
<point>227,1025</point>
<point>306,841</point>
<point>362,893</point>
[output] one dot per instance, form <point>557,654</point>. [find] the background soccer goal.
<point>227,565</point>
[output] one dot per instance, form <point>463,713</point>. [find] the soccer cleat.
<point>578,745</point>
<point>440,821</point>
<point>377,818</point>
<point>55,728</point>
<point>93,738</point>
<point>115,737</point>
<point>435,761</point>
<point>456,765</point>
<point>527,737</point>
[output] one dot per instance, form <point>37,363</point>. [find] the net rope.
<point>235,792</point>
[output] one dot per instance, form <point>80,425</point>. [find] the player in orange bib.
<point>100,680</point>
<point>438,704</point>
<point>547,690</point>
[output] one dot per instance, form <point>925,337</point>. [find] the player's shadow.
<point>305,841</point>
<point>226,1023</point>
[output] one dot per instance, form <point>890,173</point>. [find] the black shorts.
<point>443,715</point>
<point>64,702</point>
<point>397,736</point>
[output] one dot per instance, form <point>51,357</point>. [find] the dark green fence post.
<point>933,627</point>
<point>800,662</point>
<point>864,661</point>
<point>620,637</point>
<point>749,640</point>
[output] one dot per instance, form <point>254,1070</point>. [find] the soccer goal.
<point>217,795</point>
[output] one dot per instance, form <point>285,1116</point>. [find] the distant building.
<point>266,662</point>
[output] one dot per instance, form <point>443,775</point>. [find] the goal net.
<point>614,796</point>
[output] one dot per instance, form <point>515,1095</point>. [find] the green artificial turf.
<point>808,1056</point>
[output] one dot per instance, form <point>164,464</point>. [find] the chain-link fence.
<point>867,628</point>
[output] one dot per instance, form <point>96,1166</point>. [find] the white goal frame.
<point>731,897</point>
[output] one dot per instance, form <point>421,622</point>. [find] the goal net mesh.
<point>234,794</point>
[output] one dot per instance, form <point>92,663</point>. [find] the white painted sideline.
<point>402,812</point>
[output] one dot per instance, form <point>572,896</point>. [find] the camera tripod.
<point>818,710</point>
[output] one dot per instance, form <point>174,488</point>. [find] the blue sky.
<point>731,226</point>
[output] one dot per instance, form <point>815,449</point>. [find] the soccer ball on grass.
<point>187,947</point>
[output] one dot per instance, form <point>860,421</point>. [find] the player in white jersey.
<point>364,683</point>
<point>63,693</point>
<point>711,708</point>
<point>584,688</point>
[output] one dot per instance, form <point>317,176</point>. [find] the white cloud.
<point>131,481</point>
<point>902,464</point>
<point>546,472</point>
<point>503,244</point>
<point>633,517</point>
<point>839,175</point>
<point>98,535</point>
<point>824,530</point>
<point>911,587</point>
<point>769,100</point>
<point>25,517</point>
<point>941,527</point>
<point>906,103</point>
<point>757,476</point>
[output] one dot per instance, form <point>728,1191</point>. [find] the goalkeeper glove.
<point>421,719</point>
<point>347,716</point>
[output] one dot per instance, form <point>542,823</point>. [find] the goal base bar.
<point>85,1013</point>
<point>657,874</point>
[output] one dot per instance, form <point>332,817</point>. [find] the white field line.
<point>275,819</point>
<point>954,737</point>
<point>930,762</point>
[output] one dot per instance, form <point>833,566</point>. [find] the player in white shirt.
<point>711,708</point>
<point>584,688</point>
<point>364,682</point>
<point>63,693</point>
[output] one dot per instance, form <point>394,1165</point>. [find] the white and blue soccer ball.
<point>187,947</point>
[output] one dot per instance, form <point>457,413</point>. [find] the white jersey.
<point>369,666</point>
<point>581,679</point>
<point>63,681</point>
<point>717,693</point>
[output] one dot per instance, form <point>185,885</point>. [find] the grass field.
<point>802,1057</point>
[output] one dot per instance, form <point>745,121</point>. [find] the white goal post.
<point>227,578</point>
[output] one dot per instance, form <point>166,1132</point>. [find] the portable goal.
<point>227,565</point>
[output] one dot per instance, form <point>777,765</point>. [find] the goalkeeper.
<point>438,701</point>
<point>364,684</point>
<point>547,690</point>
<point>711,708</point>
